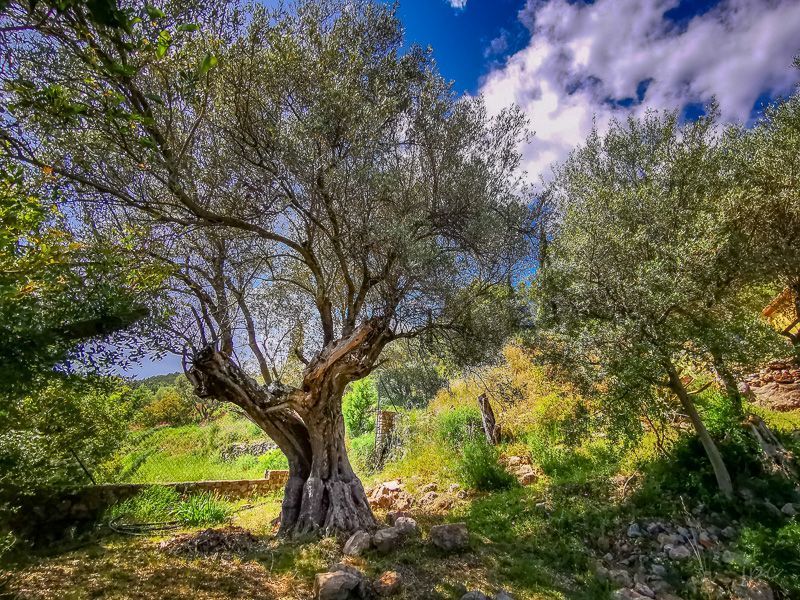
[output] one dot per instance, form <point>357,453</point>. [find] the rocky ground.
<point>777,386</point>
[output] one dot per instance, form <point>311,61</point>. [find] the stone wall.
<point>46,517</point>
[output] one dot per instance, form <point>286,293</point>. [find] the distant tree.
<point>358,406</point>
<point>63,433</point>
<point>410,379</point>
<point>315,191</point>
<point>764,206</point>
<point>642,280</point>
<point>204,408</point>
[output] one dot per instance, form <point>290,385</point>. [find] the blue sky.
<point>571,65</point>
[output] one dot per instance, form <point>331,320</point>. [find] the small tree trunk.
<point>720,470</point>
<point>730,383</point>
<point>777,457</point>
<point>490,427</point>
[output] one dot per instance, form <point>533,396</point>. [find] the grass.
<point>191,453</point>
<point>160,504</point>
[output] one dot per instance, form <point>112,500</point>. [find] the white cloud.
<point>580,56</point>
<point>457,4</point>
<point>498,45</point>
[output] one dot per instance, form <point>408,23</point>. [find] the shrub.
<point>480,468</point>
<point>458,426</point>
<point>777,553</point>
<point>358,406</point>
<point>168,406</point>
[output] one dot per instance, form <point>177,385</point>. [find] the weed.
<point>479,468</point>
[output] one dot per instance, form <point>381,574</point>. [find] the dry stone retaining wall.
<point>48,516</point>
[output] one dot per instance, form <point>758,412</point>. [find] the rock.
<point>454,487</point>
<point>461,494</point>
<point>392,486</point>
<point>711,590</point>
<point>526,475</point>
<point>668,539</point>
<point>403,500</point>
<point>634,531</point>
<point>393,515</point>
<point>771,509</point>
<point>340,566</point>
<point>431,487</point>
<point>644,590</point>
<point>601,573</point>
<point>658,570</point>
<point>679,552</point>
<point>428,498</point>
<point>603,543</point>
<point>338,585</point>
<point>359,542</point>
<point>729,533</point>
<point>388,584</point>
<point>627,594</point>
<point>451,537</point>
<point>503,595</point>
<point>620,577</point>
<point>387,539</point>
<point>705,540</point>
<point>684,532</point>
<point>789,510</point>
<point>751,589</point>
<point>406,526</point>
<point>514,461</point>
<point>654,528</point>
<point>475,595</point>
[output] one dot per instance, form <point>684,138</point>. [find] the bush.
<point>776,553</point>
<point>358,406</point>
<point>480,468</point>
<point>458,426</point>
<point>168,406</point>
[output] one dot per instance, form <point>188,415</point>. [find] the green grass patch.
<point>160,504</point>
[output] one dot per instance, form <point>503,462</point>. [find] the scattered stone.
<point>431,487</point>
<point>658,570</point>
<point>461,494</point>
<point>388,584</point>
<point>451,537</point>
<point>338,585</point>
<point>238,449</point>
<point>620,577</point>
<point>771,509</point>
<point>711,590</point>
<point>393,515</point>
<point>406,526</point>
<point>679,552</point>
<point>751,589</point>
<point>387,539</point>
<point>644,590</point>
<point>358,543</point>
<point>340,566</point>
<point>454,487</point>
<point>654,528</point>
<point>705,540</point>
<point>503,595</point>
<point>513,461</point>
<point>789,510</point>
<point>601,573</point>
<point>428,498</point>
<point>475,595</point>
<point>627,594</point>
<point>634,531</point>
<point>729,533</point>
<point>603,543</point>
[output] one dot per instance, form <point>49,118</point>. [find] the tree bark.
<point>720,470</point>
<point>323,494</point>
<point>730,383</point>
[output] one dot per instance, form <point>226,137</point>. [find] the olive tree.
<point>642,279</point>
<point>316,191</point>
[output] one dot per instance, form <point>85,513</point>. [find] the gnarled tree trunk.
<point>323,494</point>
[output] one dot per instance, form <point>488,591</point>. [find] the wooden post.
<point>490,427</point>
